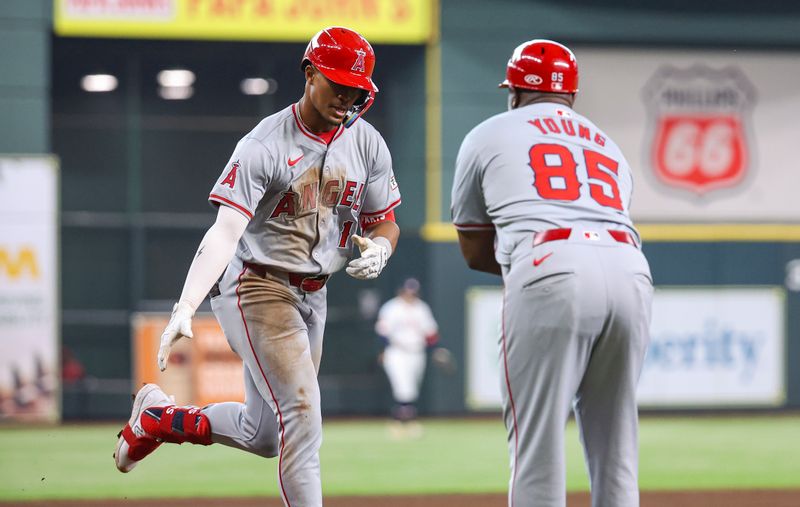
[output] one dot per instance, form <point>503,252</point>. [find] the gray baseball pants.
<point>276,330</point>
<point>576,319</point>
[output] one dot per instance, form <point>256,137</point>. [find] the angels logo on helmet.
<point>358,66</point>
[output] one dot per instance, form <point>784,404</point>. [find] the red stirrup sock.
<point>177,425</point>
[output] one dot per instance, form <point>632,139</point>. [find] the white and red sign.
<point>711,135</point>
<point>700,118</point>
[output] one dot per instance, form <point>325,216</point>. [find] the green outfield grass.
<point>358,457</point>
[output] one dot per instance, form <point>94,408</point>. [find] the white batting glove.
<point>374,256</point>
<point>180,325</point>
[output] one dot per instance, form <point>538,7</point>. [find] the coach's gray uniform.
<point>576,310</point>
<point>304,199</point>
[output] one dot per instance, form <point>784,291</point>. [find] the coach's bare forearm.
<point>477,247</point>
<point>485,263</point>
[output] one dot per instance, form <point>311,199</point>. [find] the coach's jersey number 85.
<point>556,175</point>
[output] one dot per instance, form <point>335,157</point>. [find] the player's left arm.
<point>477,247</point>
<point>380,232</point>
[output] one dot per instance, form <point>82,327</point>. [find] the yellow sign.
<point>16,266</point>
<point>380,21</point>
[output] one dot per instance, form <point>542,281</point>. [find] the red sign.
<point>699,153</point>
<point>699,117</point>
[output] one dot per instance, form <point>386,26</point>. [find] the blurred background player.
<point>407,329</point>
<point>294,192</point>
<point>541,197</point>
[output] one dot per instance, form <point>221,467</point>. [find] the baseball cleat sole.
<point>148,396</point>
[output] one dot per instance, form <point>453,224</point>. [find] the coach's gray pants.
<point>575,329</point>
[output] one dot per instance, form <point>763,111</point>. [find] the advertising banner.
<point>483,327</point>
<point>709,134</point>
<point>380,21</point>
<point>29,302</point>
<point>200,371</point>
<point>716,347</point>
<point>711,347</point>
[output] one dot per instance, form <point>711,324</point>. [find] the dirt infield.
<point>765,498</point>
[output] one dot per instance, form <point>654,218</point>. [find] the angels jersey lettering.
<point>303,195</point>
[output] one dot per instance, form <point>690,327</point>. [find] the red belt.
<point>306,283</point>
<point>556,234</point>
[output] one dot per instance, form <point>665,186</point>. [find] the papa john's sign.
<point>699,124</point>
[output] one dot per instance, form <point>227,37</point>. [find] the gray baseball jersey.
<point>539,167</point>
<point>304,198</point>
<point>577,296</point>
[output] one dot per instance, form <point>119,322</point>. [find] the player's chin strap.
<point>359,109</point>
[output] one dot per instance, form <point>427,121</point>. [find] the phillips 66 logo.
<point>699,119</point>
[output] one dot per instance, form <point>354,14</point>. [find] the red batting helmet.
<point>542,65</point>
<point>346,58</point>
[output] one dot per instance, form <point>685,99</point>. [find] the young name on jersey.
<point>567,127</point>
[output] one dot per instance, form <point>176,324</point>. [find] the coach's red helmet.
<point>343,56</point>
<point>542,65</point>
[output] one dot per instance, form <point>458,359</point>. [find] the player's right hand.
<point>374,257</point>
<point>180,325</point>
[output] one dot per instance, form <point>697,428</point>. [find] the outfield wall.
<point>721,349</point>
<point>136,170</point>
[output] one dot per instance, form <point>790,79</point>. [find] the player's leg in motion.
<point>250,426</point>
<point>550,314</point>
<point>605,405</point>
<point>283,321</point>
<point>277,332</point>
<point>154,420</point>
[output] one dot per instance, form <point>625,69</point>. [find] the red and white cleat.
<point>134,442</point>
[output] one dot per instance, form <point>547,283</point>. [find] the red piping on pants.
<point>511,400</point>
<point>274,400</point>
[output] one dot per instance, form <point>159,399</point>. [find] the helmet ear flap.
<point>359,108</point>
<point>363,98</point>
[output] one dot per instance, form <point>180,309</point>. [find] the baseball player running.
<point>294,192</point>
<point>552,192</point>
